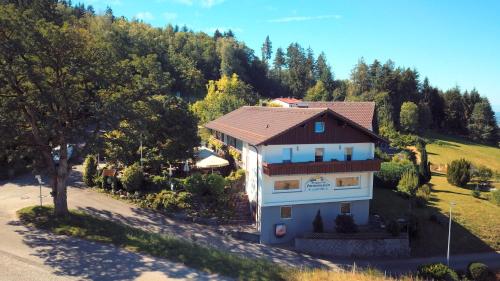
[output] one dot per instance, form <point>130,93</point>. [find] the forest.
<point>104,82</point>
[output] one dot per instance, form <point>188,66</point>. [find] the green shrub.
<point>159,182</point>
<point>393,228</point>
<point>132,178</point>
<point>318,223</point>
<point>236,175</point>
<point>459,172</point>
<point>478,271</point>
<point>423,195</point>
<point>390,173</point>
<point>169,200</point>
<point>205,185</point>
<point>382,155</point>
<point>438,272</point>
<point>495,197</point>
<point>408,184</point>
<point>90,170</point>
<point>424,190</point>
<point>345,224</point>
<point>483,174</point>
<point>99,181</point>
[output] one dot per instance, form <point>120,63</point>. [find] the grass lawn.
<point>476,224</point>
<point>205,259</point>
<point>85,226</point>
<point>444,149</point>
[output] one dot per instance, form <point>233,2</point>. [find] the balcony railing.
<point>275,169</point>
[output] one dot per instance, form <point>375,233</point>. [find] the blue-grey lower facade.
<point>302,217</point>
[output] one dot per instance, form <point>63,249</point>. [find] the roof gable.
<point>338,129</point>
<point>359,112</point>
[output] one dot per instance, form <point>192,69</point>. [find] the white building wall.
<point>281,103</point>
<point>250,156</point>
<point>333,193</point>
<point>305,152</point>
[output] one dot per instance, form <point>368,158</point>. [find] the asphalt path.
<point>30,254</point>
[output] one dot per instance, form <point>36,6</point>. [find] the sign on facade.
<point>280,230</point>
<point>318,184</point>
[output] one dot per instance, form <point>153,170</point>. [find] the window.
<point>319,127</point>
<point>286,212</point>
<point>347,182</point>
<point>318,154</point>
<point>286,185</point>
<point>239,144</point>
<point>345,208</point>
<point>348,153</point>
<point>287,155</point>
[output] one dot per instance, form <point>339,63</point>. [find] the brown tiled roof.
<point>359,112</point>
<point>255,124</point>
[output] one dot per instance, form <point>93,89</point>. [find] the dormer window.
<point>319,127</point>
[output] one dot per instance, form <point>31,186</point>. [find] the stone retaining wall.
<point>377,247</point>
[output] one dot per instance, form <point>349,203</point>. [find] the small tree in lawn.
<point>89,170</point>
<point>459,172</point>
<point>318,223</point>
<point>408,184</point>
<point>483,174</point>
<point>424,169</point>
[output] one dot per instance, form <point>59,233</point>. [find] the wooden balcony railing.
<point>275,169</point>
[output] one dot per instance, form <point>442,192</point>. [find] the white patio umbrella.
<point>211,162</point>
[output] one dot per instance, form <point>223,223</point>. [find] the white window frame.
<point>349,186</point>
<point>316,127</point>
<point>291,212</point>
<point>350,208</point>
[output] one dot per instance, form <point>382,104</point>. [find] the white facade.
<point>280,103</point>
<point>330,192</point>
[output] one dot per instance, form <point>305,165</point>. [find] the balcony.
<point>276,169</point>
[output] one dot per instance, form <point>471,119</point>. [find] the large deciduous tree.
<point>49,76</point>
<point>408,116</point>
<point>224,96</point>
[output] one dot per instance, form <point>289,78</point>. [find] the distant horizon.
<point>452,43</point>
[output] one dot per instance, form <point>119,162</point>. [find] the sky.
<point>453,43</point>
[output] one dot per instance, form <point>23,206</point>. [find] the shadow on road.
<point>205,235</point>
<point>96,261</point>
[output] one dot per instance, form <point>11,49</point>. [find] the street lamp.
<point>449,235</point>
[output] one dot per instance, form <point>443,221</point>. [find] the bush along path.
<point>82,225</point>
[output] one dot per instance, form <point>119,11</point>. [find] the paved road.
<point>82,259</point>
<point>29,254</point>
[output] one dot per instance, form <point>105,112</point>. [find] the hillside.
<point>444,149</point>
<point>477,224</point>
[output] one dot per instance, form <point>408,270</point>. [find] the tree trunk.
<point>59,185</point>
